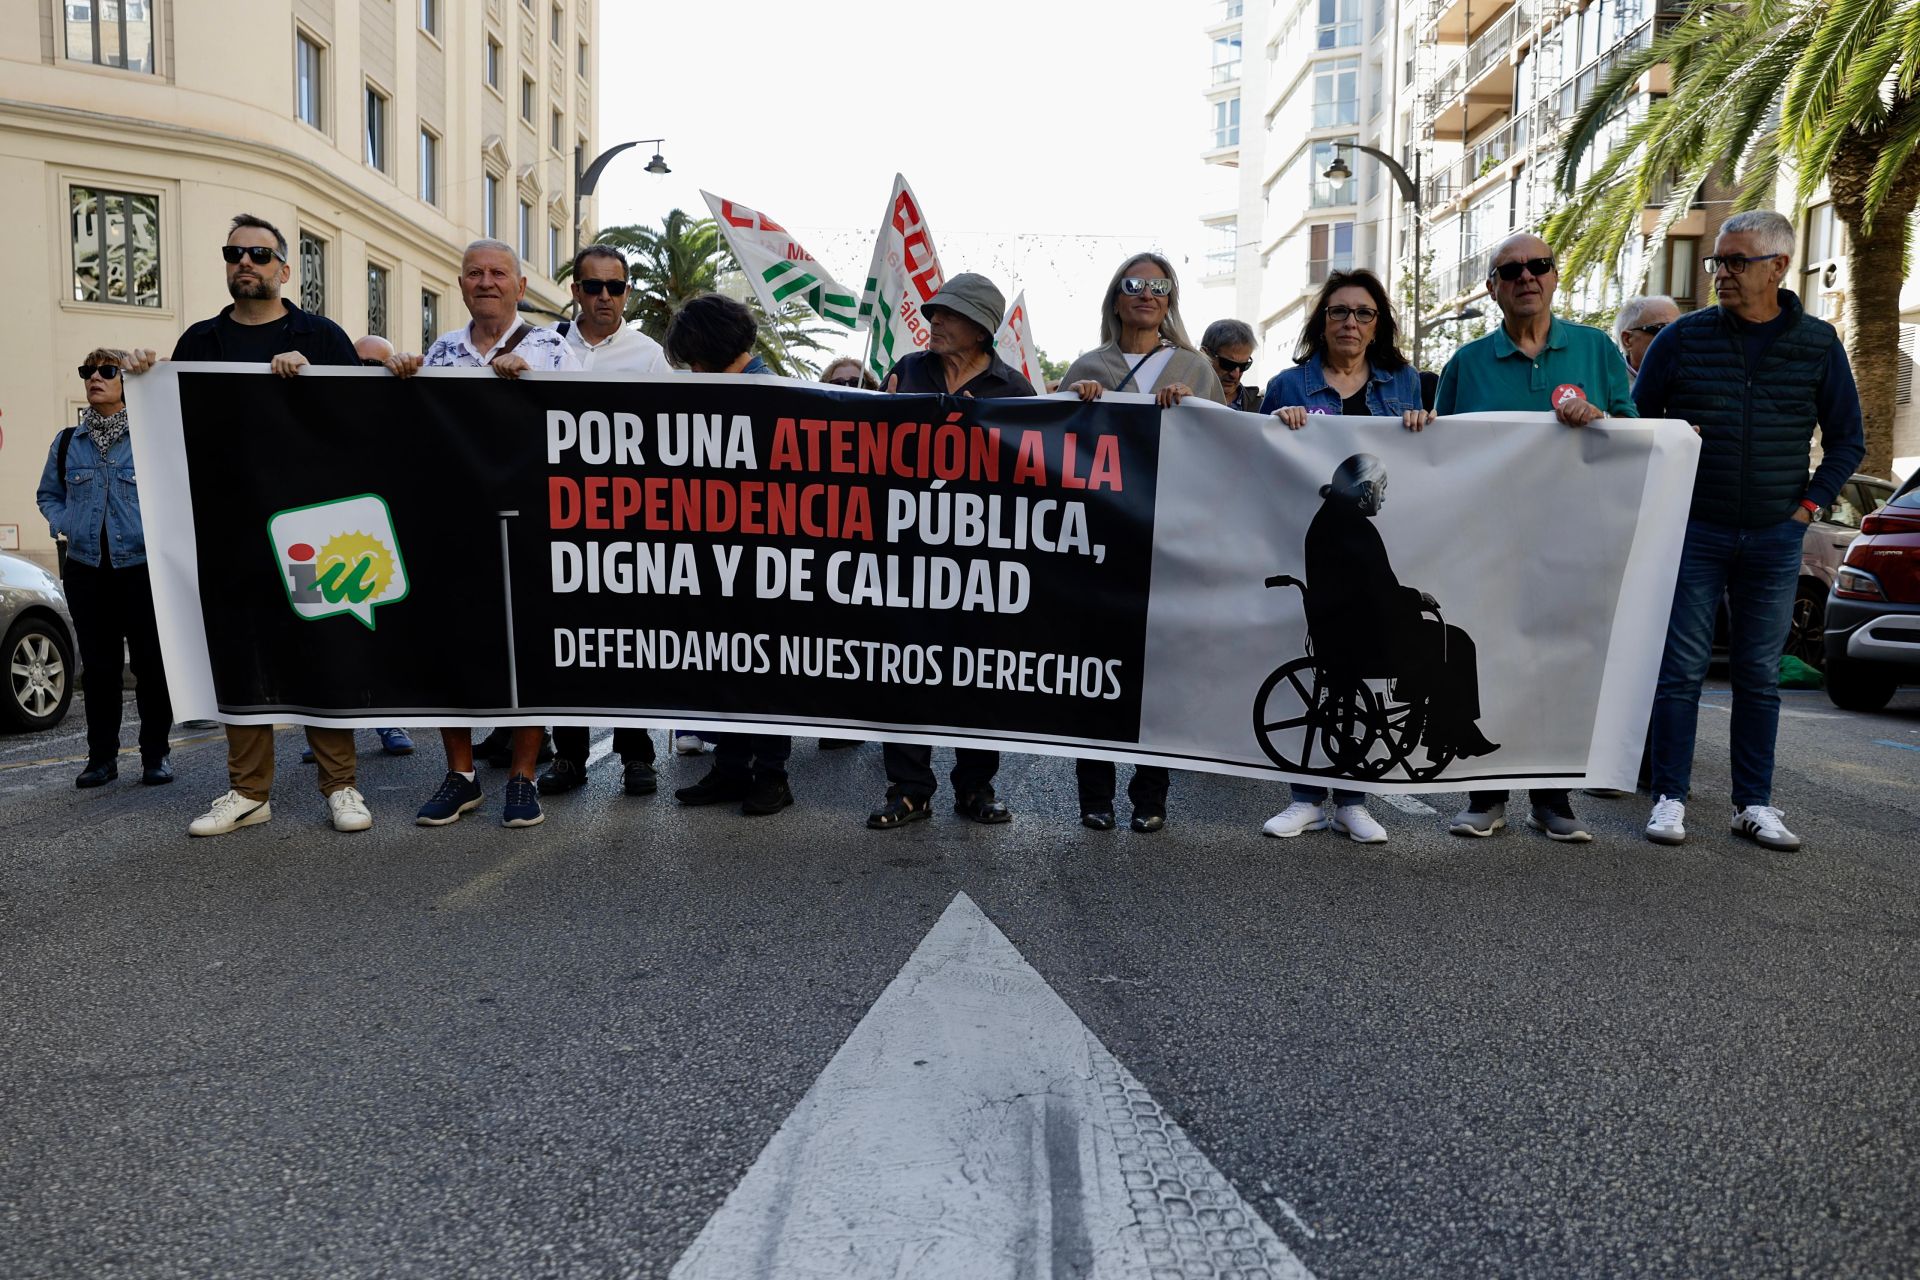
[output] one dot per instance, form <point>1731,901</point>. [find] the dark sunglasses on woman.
<point>258,254</point>
<point>1537,267</point>
<point>1134,286</point>
<point>107,371</point>
<point>594,288</point>
<point>843,382</point>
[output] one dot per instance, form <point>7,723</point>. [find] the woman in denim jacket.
<point>93,502</point>
<point>1348,362</point>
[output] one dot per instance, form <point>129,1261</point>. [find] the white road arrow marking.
<point>973,1127</point>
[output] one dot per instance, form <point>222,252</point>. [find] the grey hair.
<point>1171,328</point>
<point>1227,333</point>
<point>1633,309</point>
<point>1774,229</point>
<point>496,246</point>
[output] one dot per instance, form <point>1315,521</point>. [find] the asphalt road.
<point>553,1052</point>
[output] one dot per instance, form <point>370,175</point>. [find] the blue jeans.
<point>1303,794</point>
<point>1757,570</point>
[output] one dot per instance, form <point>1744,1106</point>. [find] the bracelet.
<point>1813,508</point>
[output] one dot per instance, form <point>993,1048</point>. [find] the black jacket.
<point>921,372</point>
<point>317,338</point>
<point>1360,617</point>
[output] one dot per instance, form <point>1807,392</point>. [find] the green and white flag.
<point>777,267</point>
<point>904,274</point>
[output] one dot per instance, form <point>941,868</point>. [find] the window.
<point>1324,191</point>
<point>524,239</point>
<point>429,318</point>
<point>429,167</point>
<point>430,17</point>
<point>492,62</point>
<point>377,280</point>
<point>1226,123</point>
<point>490,207</point>
<point>554,260</point>
<point>309,79</point>
<point>1226,59</point>
<point>1223,246</point>
<point>116,246</point>
<point>580,63</point>
<point>313,273</point>
<point>1376,81</point>
<point>1336,92</point>
<point>559,25</point>
<point>110,34</point>
<point>1339,24</point>
<point>526,98</point>
<point>1673,273</point>
<point>376,129</point>
<point>556,130</point>
<point>1329,249</point>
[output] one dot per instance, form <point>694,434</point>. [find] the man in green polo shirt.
<point>1533,361</point>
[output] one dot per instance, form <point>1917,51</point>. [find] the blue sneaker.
<point>457,795</point>
<point>395,742</point>
<point>523,803</point>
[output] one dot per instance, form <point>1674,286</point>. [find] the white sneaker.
<point>349,810</point>
<point>1761,824</point>
<point>1359,825</point>
<point>229,813</point>
<point>1668,825</point>
<point>1301,815</point>
<point>689,744</point>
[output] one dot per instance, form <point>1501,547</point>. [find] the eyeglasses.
<point>612,288</point>
<point>1510,271</point>
<point>107,371</point>
<point>258,254</point>
<point>1134,286</point>
<point>1648,329</point>
<point>1365,315</point>
<point>1736,264</point>
<point>1239,366</point>
<point>853,381</point>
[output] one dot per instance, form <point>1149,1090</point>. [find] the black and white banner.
<point>1482,602</point>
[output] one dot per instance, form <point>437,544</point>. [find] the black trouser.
<point>112,607</point>
<point>570,743</point>
<point>910,770</point>
<point>1545,798</point>
<point>1147,789</point>
<point>758,755</point>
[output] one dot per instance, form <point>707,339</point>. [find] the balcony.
<point>1445,21</point>
<point>1224,74</point>
<point>1226,13</point>
<point>1517,137</point>
<point>1479,87</point>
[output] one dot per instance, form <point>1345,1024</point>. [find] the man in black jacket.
<point>263,328</point>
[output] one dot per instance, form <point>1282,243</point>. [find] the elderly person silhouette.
<point>1365,624</point>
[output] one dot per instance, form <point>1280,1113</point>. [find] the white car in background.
<point>36,640</point>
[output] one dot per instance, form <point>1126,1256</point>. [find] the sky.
<point>1046,141</point>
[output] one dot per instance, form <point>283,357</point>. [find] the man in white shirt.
<point>492,285</point>
<point>601,339</point>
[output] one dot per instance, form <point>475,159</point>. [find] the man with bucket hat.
<point>959,360</point>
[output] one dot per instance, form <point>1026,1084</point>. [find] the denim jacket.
<point>1388,394</point>
<point>93,492</point>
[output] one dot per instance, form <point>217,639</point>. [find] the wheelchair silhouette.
<point>1358,724</point>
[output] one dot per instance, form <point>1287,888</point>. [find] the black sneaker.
<point>562,775</point>
<point>715,788</point>
<point>156,773</point>
<point>769,795</point>
<point>522,808</point>
<point>98,773</point>
<point>641,779</point>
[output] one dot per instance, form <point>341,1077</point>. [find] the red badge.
<point>1567,391</point>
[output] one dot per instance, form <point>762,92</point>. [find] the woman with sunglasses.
<point>1144,348</point>
<point>1348,362</point>
<point>848,372</point>
<point>1229,344</point>
<point>89,497</point>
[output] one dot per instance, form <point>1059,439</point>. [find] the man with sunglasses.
<point>1755,376</point>
<point>1229,344</point>
<point>1638,322</point>
<point>1537,362</point>
<point>261,327</point>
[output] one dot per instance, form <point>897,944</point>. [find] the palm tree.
<point>1817,90</point>
<point>685,257</point>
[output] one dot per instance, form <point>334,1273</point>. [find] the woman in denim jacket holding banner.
<point>1348,363</point>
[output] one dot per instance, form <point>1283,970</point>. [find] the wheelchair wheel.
<point>1289,700</point>
<point>1350,721</point>
<point>1406,723</point>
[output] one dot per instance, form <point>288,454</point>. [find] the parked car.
<point>1873,613</point>
<point>1822,551</point>
<point>42,670</point>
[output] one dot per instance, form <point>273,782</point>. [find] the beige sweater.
<point>1109,364</point>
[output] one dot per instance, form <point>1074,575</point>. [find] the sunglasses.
<point>594,288</point>
<point>1134,286</point>
<point>1239,366</point>
<point>1736,264</point>
<point>107,371</point>
<point>258,254</point>
<point>843,382</point>
<point>1648,329</point>
<point>1365,315</point>
<point>1510,271</point>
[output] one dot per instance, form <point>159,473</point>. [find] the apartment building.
<point>379,135</point>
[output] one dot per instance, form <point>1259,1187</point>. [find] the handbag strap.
<point>1136,368</point>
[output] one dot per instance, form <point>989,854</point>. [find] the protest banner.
<point>777,267</point>
<point>905,272</point>
<point>1189,587</point>
<point>1014,343</point>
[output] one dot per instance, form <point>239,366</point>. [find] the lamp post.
<point>1409,185</point>
<point>585,179</point>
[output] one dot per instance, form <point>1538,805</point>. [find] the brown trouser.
<point>250,758</point>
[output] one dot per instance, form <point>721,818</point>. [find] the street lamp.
<point>584,180</point>
<point>1409,185</point>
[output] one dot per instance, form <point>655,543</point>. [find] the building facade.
<point>379,135</point>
